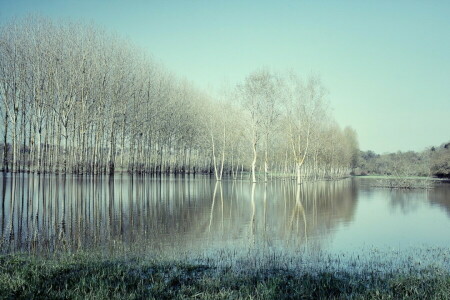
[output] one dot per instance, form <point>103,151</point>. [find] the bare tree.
<point>74,98</point>
<point>258,96</point>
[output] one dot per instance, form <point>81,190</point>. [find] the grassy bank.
<point>402,182</point>
<point>91,277</point>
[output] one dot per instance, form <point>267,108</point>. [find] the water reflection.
<point>441,197</point>
<point>69,213</point>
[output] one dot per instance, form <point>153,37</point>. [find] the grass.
<point>90,276</point>
<point>402,182</point>
<point>405,183</point>
<point>397,177</point>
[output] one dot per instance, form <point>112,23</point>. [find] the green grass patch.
<point>84,276</point>
<point>396,177</point>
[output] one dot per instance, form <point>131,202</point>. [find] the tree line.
<point>77,99</point>
<point>434,161</point>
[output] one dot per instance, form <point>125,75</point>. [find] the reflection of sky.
<point>394,219</point>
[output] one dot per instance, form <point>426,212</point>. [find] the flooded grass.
<point>403,182</point>
<point>224,275</point>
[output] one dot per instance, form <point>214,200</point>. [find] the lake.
<point>47,213</point>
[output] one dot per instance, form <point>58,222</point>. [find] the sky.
<point>386,64</point>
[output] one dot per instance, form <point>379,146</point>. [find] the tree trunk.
<point>254,163</point>
<point>298,171</point>
<point>5,143</point>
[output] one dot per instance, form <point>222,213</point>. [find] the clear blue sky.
<point>386,63</point>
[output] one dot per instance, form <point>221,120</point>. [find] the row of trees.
<point>434,161</point>
<point>440,160</point>
<point>75,99</point>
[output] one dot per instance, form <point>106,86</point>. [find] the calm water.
<point>48,213</point>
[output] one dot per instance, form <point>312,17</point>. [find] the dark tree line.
<point>434,161</point>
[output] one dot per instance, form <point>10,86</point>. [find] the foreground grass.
<point>90,277</point>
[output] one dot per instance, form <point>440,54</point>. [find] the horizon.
<point>381,62</point>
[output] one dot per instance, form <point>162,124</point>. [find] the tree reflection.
<point>298,213</point>
<point>64,212</point>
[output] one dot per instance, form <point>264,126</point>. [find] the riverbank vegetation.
<point>404,183</point>
<point>432,162</point>
<point>76,99</point>
<point>90,277</point>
